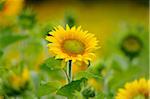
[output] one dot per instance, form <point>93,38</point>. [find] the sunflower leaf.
<point>70,89</point>
<point>1,53</point>
<point>51,64</point>
<point>48,88</point>
<point>9,38</point>
<point>87,75</point>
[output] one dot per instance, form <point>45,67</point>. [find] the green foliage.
<point>46,29</point>
<point>9,91</point>
<point>111,71</point>
<point>88,93</point>
<point>100,95</point>
<point>87,74</point>
<point>2,5</point>
<point>27,19</point>
<point>70,19</point>
<point>128,75</point>
<point>9,38</point>
<point>1,53</point>
<point>52,64</point>
<point>48,88</point>
<point>69,89</point>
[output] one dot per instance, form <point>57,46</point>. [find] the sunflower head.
<point>25,75</point>
<point>94,83</point>
<point>11,7</point>
<point>19,83</point>
<point>72,44</point>
<point>131,46</point>
<point>138,89</point>
<point>2,97</point>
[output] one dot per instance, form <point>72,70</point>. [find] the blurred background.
<point>102,17</point>
<point>121,26</point>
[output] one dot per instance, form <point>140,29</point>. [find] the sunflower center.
<point>72,46</point>
<point>132,45</point>
<point>140,96</point>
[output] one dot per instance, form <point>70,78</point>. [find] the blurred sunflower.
<point>92,82</point>
<point>10,7</point>
<point>1,97</point>
<point>131,46</point>
<point>72,44</point>
<point>19,81</point>
<point>14,84</point>
<point>138,89</point>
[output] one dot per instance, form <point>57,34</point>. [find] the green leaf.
<point>70,89</point>
<point>52,64</point>
<point>1,53</point>
<point>2,3</point>
<point>88,92</point>
<point>48,88</point>
<point>100,95</point>
<point>87,74</point>
<point>9,38</point>
<point>4,70</point>
<point>121,77</point>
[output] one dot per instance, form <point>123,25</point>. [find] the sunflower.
<point>138,89</point>
<point>92,82</point>
<point>11,7</point>
<point>20,80</point>
<point>131,46</point>
<point>72,44</point>
<point>1,97</point>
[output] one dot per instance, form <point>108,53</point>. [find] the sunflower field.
<point>74,49</point>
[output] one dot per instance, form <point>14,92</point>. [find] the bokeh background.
<point>121,26</point>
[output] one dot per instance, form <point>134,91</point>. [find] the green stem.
<point>69,69</point>
<point>66,74</point>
